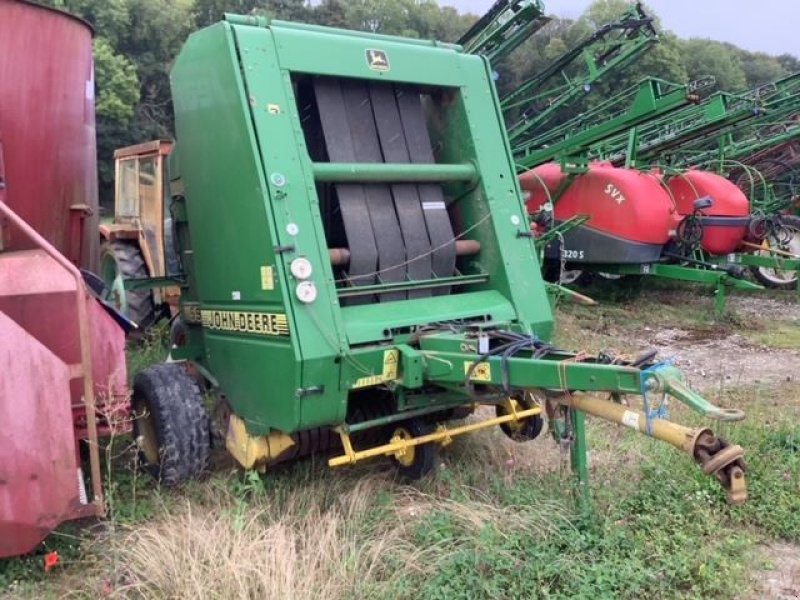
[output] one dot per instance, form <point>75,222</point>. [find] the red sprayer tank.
<point>47,128</point>
<point>631,214</point>
<point>725,220</point>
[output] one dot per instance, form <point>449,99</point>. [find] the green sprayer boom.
<point>674,136</point>
<point>538,101</point>
<point>506,25</point>
<point>571,141</point>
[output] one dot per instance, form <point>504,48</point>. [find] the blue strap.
<point>659,412</point>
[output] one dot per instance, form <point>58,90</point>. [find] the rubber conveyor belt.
<point>352,200</point>
<point>408,223</point>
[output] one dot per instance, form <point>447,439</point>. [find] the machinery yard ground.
<point>498,520</point>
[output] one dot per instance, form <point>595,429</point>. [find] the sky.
<point>771,26</point>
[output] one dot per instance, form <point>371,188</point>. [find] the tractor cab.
<point>135,241</point>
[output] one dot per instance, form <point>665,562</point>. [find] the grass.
<point>780,334</point>
<point>498,520</point>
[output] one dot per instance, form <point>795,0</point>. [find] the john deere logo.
<point>377,60</point>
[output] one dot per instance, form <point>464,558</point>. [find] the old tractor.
<point>134,244</point>
<point>357,271</point>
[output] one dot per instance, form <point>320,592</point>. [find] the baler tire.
<point>423,457</point>
<point>769,277</point>
<point>129,264</point>
<point>168,400</point>
<point>523,430</point>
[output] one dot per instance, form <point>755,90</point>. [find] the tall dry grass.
<point>333,538</point>
<point>298,549</point>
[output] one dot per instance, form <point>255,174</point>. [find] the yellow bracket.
<point>771,250</point>
<point>252,451</point>
<point>443,435</point>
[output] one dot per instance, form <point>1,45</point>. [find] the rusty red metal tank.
<point>631,215</point>
<point>47,128</point>
<point>62,355</point>
<point>725,220</point>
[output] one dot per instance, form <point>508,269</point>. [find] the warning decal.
<point>481,372</point>
<point>390,360</point>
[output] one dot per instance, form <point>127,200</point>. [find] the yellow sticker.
<point>390,360</point>
<point>245,322</point>
<point>274,109</point>
<point>267,278</point>
<point>481,372</point>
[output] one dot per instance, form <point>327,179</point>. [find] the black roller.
<point>385,226</point>
<point>406,196</point>
<point>352,201</point>
<point>434,209</point>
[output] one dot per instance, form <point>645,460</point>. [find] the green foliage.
<point>720,60</point>
<point>760,68</point>
<point>117,84</point>
<point>137,41</point>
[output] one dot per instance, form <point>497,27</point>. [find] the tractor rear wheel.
<point>523,430</point>
<point>414,462</point>
<point>120,261</point>
<point>171,426</point>
<point>775,278</point>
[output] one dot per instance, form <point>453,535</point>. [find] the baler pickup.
<point>358,264</point>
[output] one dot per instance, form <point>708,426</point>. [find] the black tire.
<point>168,406</point>
<point>422,458</point>
<point>524,430</point>
<point>128,262</point>
<point>770,277</point>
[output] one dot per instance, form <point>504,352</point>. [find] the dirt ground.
<point>781,580</point>
<point>721,355</point>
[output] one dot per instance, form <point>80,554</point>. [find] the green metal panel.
<point>372,322</point>
<point>340,53</point>
<point>247,195</point>
<point>232,231</point>
<point>318,331</point>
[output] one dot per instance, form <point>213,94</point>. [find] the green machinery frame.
<point>247,200</point>
<point>506,25</point>
<point>536,103</point>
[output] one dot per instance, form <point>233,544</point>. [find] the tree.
<point>704,57</point>
<point>760,68</point>
<point>136,42</point>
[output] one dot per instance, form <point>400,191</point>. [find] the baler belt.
<point>406,197</point>
<point>385,227</point>
<point>440,230</point>
<point>352,200</point>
